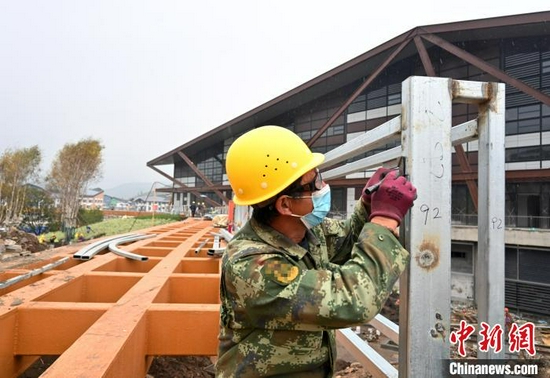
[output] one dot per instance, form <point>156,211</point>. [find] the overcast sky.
<point>147,76</point>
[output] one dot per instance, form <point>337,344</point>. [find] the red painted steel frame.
<point>109,316</point>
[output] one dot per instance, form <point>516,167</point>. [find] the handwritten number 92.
<point>496,223</point>
<point>426,210</point>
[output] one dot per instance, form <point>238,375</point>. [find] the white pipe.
<point>33,273</point>
<point>88,251</point>
<point>113,247</point>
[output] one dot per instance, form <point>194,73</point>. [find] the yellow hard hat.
<point>264,161</point>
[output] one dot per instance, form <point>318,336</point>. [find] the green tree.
<point>17,168</point>
<point>75,166</point>
<point>39,212</point>
<point>87,217</point>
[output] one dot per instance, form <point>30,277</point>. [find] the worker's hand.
<point>394,197</point>
<point>390,224</point>
<point>375,179</point>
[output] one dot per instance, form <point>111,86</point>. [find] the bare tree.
<point>73,169</point>
<point>17,168</point>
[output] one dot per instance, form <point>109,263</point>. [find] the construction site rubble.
<point>468,313</point>
<point>180,367</point>
<point>354,370</point>
<point>220,220</point>
<point>460,311</point>
<point>14,242</point>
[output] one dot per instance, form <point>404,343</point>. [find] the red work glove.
<point>375,179</point>
<point>394,197</point>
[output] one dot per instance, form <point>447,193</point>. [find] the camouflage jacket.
<point>281,303</point>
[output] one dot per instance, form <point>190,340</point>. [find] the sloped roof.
<point>150,198</point>
<point>92,192</point>
<point>522,25</point>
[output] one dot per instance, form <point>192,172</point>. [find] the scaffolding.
<point>110,315</point>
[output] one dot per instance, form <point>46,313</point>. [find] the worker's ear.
<point>283,205</point>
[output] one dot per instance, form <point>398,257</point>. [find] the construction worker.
<point>290,276</point>
<point>79,236</point>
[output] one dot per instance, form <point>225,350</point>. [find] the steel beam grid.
<point>465,132</point>
<point>489,287</point>
<point>108,316</point>
<point>425,287</point>
<point>427,140</point>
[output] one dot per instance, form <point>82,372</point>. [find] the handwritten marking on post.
<point>426,209</point>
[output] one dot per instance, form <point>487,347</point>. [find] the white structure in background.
<point>92,199</point>
<point>159,202</point>
<point>115,203</point>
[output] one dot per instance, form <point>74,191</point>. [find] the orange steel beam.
<point>202,176</point>
<point>461,155</point>
<point>465,168</point>
<point>359,90</point>
<point>50,328</point>
<point>192,190</point>
<point>189,327</point>
<point>109,316</point>
<point>484,66</point>
<point>511,176</point>
<point>424,56</point>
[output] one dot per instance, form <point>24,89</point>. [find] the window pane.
<point>530,111</point>
<point>523,154</point>
<point>533,266</point>
<point>529,126</point>
<point>394,99</point>
<point>510,266</point>
<point>357,107</point>
<point>511,114</point>
<point>511,128</point>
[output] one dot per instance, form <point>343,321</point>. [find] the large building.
<point>365,92</point>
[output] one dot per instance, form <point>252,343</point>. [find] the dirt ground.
<point>201,367</point>
<point>181,367</point>
<point>13,260</point>
<point>193,367</point>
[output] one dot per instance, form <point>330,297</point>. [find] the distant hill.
<point>131,190</point>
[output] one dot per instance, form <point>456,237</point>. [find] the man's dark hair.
<point>265,212</point>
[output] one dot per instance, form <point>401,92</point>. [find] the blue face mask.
<point>321,207</point>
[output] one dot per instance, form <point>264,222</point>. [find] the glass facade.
<point>527,122</point>
<point>210,162</point>
<point>527,285</point>
<point>527,132</point>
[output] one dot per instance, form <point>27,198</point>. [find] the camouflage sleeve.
<point>296,298</point>
<point>342,235</point>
